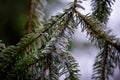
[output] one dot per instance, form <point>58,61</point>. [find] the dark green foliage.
<point>102,9</point>
<point>18,61</point>
<point>105,64</point>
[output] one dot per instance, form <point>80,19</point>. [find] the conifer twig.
<point>29,22</point>
<point>30,17</point>
<point>75,1</point>
<point>100,35</point>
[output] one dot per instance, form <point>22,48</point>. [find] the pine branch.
<point>71,66</point>
<point>21,46</point>
<point>23,64</point>
<point>24,43</point>
<point>54,50</point>
<point>73,74</point>
<point>107,60</point>
<point>44,69</point>
<point>105,64</point>
<point>102,9</point>
<point>51,57</point>
<point>94,29</point>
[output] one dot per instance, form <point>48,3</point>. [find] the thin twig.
<point>30,17</point>
<point>105,61</point>
<point>29,23</point>
<point>75,2</point>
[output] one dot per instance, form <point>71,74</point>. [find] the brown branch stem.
<point>75,2</point>
<point>104,61</point>
<point>29,22</point>
<point>30,17</point>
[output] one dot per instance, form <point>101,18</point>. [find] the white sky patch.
<point>114,22</point>
<point>85,58</point>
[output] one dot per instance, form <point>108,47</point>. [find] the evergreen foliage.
<point>102,9</point>
<point>43,53</point>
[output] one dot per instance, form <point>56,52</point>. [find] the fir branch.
<point>106,60</point>
<point>45,30</point>
<point>75,2</point>
<point>72,68</point>
<point>30,17</point>
<point>26,41</point>
<point>52,55</point>
<point>94,30</point>
<point>102,9</point>
<point>59,35</point>
<point>105,64</point>
<point>64,58</point>
<point>23,64</point>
